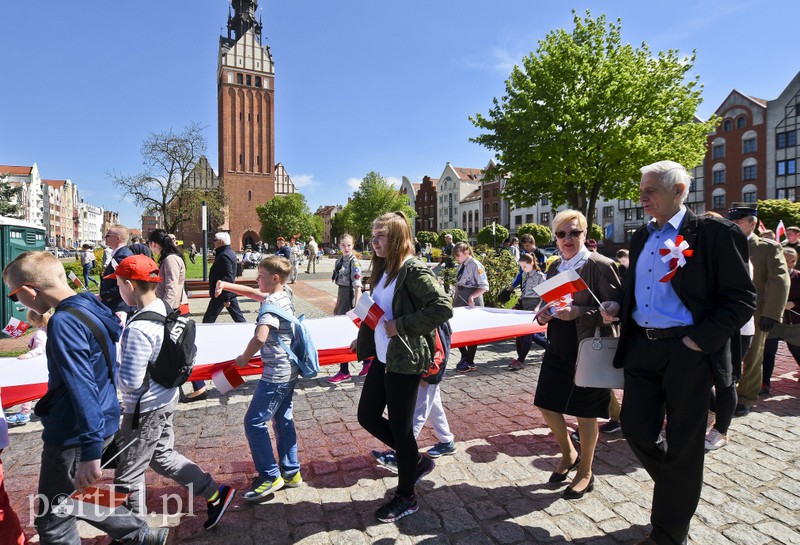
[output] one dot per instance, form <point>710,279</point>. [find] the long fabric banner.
<point>219,344</point>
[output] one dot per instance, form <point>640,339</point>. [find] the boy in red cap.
<point>141,341</point>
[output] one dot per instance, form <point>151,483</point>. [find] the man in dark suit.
<point>223,268</point>
<point>116,239</point>
<point>687,290</point>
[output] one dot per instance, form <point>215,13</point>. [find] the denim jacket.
<point>415,280</point>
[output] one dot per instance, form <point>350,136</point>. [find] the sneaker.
<point>386,459</point>
<point>442,449</point>
<point>576,436</point>
<point>263,487</point>
<point>516,365</point>
<point>339,377</point>
<point>156,536</point>
<point>397,508</point>
<point>462,367</point>
<point>294,481</point>
<point>18,419</point>
<point>715,439</point>
<point>365,368</point>
<point>424,466</point>
<point>742,410</point>
<point>217,507</point>
<point>612,426</point>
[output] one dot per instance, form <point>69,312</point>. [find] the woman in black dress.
<point>567,325</point>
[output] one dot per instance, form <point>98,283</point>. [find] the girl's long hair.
<point>399,245</point>
<point>168,247</point>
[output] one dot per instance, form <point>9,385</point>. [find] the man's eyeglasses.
<point>13,294</point>
<point>570,234</point>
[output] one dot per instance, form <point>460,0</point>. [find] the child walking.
<point>272,399</point>
<point>36,347</point>
<point>528,300</point>
<point>154,446</point>
<point>471,284</point>
<point>347,275</point>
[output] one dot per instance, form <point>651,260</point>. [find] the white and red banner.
<point>218,345</point>
<point>227,379</point>
<point>564,283</point>
<point>368,311</point>
<point>780,231</point>
<point>15,328</point>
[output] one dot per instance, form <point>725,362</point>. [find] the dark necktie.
<point>460,272</point>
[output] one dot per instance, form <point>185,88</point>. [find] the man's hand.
<point>226,304</point>
<point>766,324</point>
<point>691,344</point>
<point>87,474</point>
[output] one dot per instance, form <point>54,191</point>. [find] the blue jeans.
<point>272,401</point>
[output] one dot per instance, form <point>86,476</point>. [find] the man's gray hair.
<point>670,173</point>
<point>224,238</point>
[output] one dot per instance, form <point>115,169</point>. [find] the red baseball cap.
<point>136,267</point>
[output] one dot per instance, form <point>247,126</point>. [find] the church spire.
<point>243,19</point>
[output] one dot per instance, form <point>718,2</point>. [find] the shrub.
<point>541,233</point>
<point>427,237</point>
<point>459,235</point>
<point>500,271</point>
<point>485,235</point>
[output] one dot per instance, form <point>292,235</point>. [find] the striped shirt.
<point>140,345</point>
<point>278,368</point>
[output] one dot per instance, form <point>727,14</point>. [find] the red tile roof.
<point>468,173</point>
<point>55,183</point>
<point>15,171</point>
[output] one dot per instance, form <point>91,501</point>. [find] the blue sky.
<point>360,85</point>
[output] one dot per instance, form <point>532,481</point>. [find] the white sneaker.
<point>715,439</point>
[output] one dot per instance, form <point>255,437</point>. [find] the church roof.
<point>15,171</point>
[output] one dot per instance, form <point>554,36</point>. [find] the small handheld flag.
<point>227,379</point>
<point>780,231</point>
<point>368,311</point>
<point>560,285</point>
<point>75,280</point>
<point>95,504</point>
<point>15,328</point>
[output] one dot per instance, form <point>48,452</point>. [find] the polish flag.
<point>761,226</point>
<point>368,311</point>
<point>227,379</point>
<point>95,504</point>
<point>560,285</point>
<point>75,279</point>
<point>780,231</point>
<point>15,328</point>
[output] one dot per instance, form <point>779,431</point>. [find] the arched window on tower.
<point>258,81</point>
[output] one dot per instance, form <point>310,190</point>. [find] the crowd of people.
<point>693,302</point>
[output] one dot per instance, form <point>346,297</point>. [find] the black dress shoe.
<point>192,399</point>
<point>742,410</point>
<point>572,494</point>
<point>556,477</point>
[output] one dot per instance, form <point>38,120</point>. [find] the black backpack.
<point>178,352</point>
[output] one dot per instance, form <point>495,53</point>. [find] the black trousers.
<point>666,378</point>
<point>216,306</point>
<point>398,394</point>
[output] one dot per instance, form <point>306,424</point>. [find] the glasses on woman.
<point>570,234</point>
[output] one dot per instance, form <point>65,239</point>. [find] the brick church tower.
<point>245,99</point>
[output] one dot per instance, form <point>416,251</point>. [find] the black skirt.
<point>556,390</point>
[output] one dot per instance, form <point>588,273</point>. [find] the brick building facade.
<point>425,206</point>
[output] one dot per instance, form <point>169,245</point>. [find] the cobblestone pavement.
<point>492,491</point>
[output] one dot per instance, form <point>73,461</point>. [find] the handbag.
<point>594,368</point>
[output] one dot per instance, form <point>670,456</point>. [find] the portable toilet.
<point>16,237</point>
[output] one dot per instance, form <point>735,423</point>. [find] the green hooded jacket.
<point>415,280</point>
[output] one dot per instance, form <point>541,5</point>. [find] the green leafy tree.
<point>500,271</point>
<point>374,197</point>
<point>287,216</point>
<point>459,235</point>
<point>541,233</point>
<point>770,212</point>
<point>595,232</point>
<point>584,112</point>
<point>485,235</point>
<point>9,198</point>
<point>162,186</point>
<point>427,237</point>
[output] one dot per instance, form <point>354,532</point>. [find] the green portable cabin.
<point>16,236</point>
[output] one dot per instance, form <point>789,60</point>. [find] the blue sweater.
<point>81,407</point>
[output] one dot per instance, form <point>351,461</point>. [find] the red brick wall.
<point>426,206</point>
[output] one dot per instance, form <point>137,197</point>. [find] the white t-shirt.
<point>383,295</point>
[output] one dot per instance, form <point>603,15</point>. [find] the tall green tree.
<point>9,198</point>
<point>374,197</point>
<point>584,112</point>
<point>287,216</point>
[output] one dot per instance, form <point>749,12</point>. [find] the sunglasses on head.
<point>13,294</point>
<point>570,234</point>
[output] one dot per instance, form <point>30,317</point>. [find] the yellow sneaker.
<point>294,481</point>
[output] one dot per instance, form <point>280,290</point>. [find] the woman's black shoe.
<point>556,477</point>
<point>572,494</point>
<point>192,399</point>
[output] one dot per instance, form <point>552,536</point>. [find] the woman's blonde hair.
<point>399,245</point>
<point>566,216</point>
